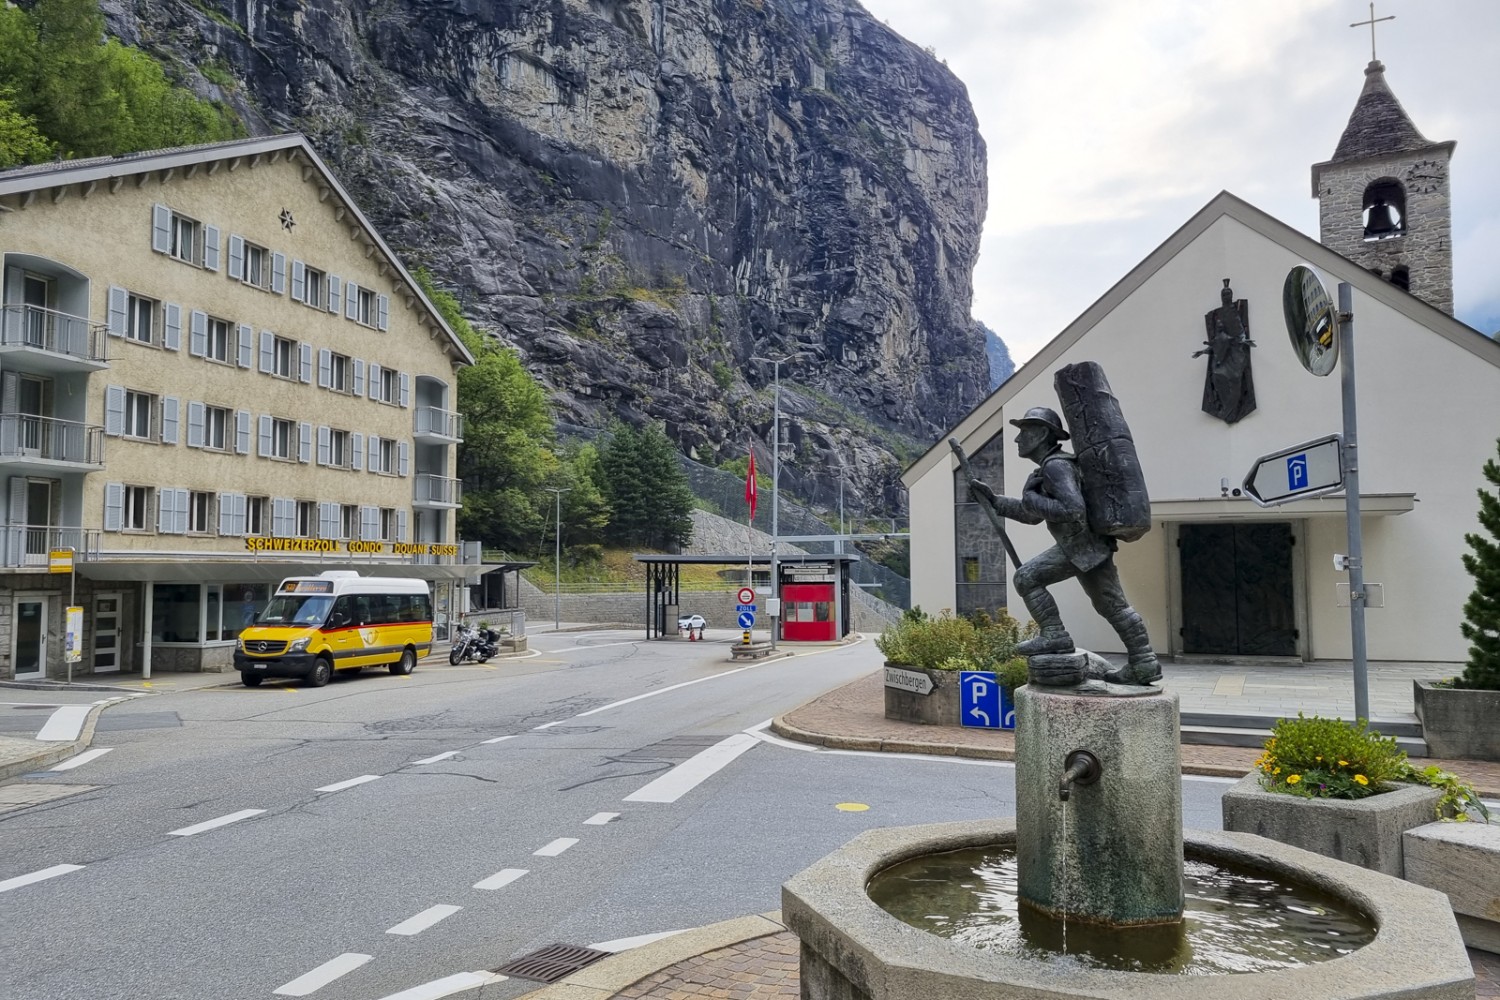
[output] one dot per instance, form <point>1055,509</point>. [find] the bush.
<point>1328,759</point>
<point>950,643</point>
<point>1482,610</point>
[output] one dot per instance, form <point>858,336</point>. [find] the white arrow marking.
<point>976,713</point>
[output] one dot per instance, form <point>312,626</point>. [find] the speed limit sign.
<point>746,595</point>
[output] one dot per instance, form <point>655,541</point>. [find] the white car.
<point>691,621</point>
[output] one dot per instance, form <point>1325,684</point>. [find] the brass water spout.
<point>1081,768</point>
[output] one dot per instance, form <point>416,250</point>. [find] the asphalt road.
<point>365,839</point>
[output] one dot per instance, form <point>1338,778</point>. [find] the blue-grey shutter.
<point>114,410</point>
<point>351,301</point>
<point>161,228</point>
<point>283,517</point>
<point>119,301</point>
<point>198,337</point>
<point>237,257</point>
<point>325,368</point>
<point>267,352</point>
<point>373,442</point>
<point>265,436</point>
<point>299,280</point>
<point>164,508</point>
<point>335,294</point>
<point>247,346</point>
<point>242,432</point>
<point>400,525</point>
<point>278,273</point>
<point>325,446</point>
<point>359,377</point>
<point>9,387</point>
<point>405,398</point>
<point>114,505</point>
<point>383,309</point>
<point>180,514</point>
<point>403,458</point>
<point>304,441</point>
<point>328,520</point>
<point>211,247</point>
<point>226,513</point>
<point>195,424</point>
<point>169,419</point>
<point>172,327</point>
<point>372,373</point>
<point>241,504</point>
<point>305,362</point>
<point>357,452</point>
<point>369,524</point>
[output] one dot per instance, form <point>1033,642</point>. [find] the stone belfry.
<point>1383,198</point>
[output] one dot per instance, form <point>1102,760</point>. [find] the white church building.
<point>1219,576</point>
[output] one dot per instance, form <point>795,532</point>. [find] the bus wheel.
<point>406,664</point>
<point>251,680</point>
<point>322,673</point>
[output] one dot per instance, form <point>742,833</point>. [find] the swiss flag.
<point>750,486</point>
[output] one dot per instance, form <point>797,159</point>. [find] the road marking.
<point>599,819</point>
<point>339,786</point>
<point>434,760</point>
<point>498,739</point>
<point>555,848</point>
<point>82,758</point>
<point>235,817</point>
<point>323,975</point>
<point>425,919</point>
<point>64,725</point>
<point>447,986</point>
<point>625,944</point>
<point>852,807</point>
<point>501,878</point>
<point>602,645</point>
<point>653,694</point>
<point>694,771</point>
<point>41,876</point>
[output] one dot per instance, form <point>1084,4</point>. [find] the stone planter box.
<point>1461,860</point>
<point>937,708</point>
<point>1365,832</point>
<point>1458,723</point>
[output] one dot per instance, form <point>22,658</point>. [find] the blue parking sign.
<point>983,703</point>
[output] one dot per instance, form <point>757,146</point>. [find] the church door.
<point>1237,589</point>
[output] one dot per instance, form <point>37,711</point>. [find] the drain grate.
<point>554,962</point>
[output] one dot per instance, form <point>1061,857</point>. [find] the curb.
<point>609,976</point>
<point>44,759</point>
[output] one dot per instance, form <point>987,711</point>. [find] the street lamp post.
<point>557,558</point>
<point>775,483</point>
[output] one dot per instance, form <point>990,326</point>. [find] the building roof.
<point>1378,126</point>
<point>111,170</point>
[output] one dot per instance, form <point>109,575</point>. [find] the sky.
<point>1110,124</point>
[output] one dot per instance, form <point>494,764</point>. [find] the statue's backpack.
<point>1114,488</point>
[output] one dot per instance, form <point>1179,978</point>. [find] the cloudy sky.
<point>1109,124</point>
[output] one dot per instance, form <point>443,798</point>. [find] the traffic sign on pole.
<point>747,619</point>
<point>746,596</point>
<point>1306,470</point>
<point>983,703</point>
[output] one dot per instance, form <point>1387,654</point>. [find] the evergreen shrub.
<point>1481,625</point>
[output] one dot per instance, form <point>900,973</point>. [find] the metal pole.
<point>72,600</point>
<point>557,559</point>
<point>1351,504</point>
<point>775,494</point>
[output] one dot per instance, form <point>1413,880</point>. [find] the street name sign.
<point>908,680</point>
<point>1306,470</point>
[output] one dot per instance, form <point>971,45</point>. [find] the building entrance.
<point>1237,591</point>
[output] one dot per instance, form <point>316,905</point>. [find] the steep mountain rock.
<point>1001,365</point>
<point>643,195</point>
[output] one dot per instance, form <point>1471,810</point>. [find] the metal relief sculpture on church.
<point>1228,389</point>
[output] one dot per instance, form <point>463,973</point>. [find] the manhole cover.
<point>554,962</point>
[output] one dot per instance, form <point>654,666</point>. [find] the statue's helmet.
<point>1047,417</point>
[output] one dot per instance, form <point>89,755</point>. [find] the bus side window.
<point>343,613</point>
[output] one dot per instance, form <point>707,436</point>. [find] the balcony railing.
<point>433,422</point>
<point>438,491</point>
<point>24,325</point>
<point>29,545</point>
<point>24,436</point>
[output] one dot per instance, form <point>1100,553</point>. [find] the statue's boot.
<point>1054,639</point>
<point>1142,667</point>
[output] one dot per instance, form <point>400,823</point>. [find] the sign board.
<point>983,703</point>
<point>73,635</point>
<point>773,607</point>
<point>746,596</point>
<point>908,680</point>
<point>744,607</point>
<point>747,619</point>
<point>1306,470</point>
<point>60,561</point>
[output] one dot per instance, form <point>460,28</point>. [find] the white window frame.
<point>257,267</point>
<point>219,341</point>
<point>283,439</point>
<point>186,240</point>
<point>139,406</point>
<point>140,310</point>
<point>223,419</point>
<point>341,373</point>
<point>135,512</point>
<point>257,515</point>
<point>200,513</point>
<point>307,519</point>
<point>314,287</point>
<point>286,359</point>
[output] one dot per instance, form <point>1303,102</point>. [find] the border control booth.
<point>814,591</point>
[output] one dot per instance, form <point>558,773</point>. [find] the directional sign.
<point>747,619</point>
<point>983,703</point>
<point>744,607</point>
<point>914,681</point>
<point>746,595</point>
<point>1307,470</point>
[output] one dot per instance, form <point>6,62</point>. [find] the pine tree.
<point>1482,610</point>
<point>646,489</point>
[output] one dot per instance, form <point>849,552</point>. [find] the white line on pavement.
<point>602,645</point>
<point>555,848</point>
<point>498,739</point>
<point>41,876</point>
<point>434,760</point>
<point>549,725</point>
<point>64,725</point>
<point>425,919</point>
<point>322,975</point>
<point>234,817</point>
<point>694,771</point>
<point>501,878</point>
<point>599,819</point>
<point>625,944</point>
<point>82,758</point>
<point>339,786</point>
<point>447,986</point>
<point>653,694</point>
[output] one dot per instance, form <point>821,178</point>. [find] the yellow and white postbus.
<point>340,620</point>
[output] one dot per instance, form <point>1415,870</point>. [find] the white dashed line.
<point>322,975</point>
<point>498,739</point>
<point>82,758</point>
<point>501,878</point>
<point>447,986</point>
<point>549,725</point>
<point>434,760</point>
<point>694,771</point>
<point>555,848</point>
<point>64,725</point>
<point>599,819</point>
<point>339,786</point>
<point>425,919</point>
<point>41,876</point>
<point>235,817</point>
<point>653,694</point>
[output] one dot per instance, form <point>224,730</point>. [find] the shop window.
<point>242,603</point>
<point>175,612</point>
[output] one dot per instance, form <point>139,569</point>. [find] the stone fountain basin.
<point>854,950</point>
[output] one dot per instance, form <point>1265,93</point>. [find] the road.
<point>389,834</point>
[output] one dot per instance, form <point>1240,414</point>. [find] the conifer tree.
<point>1482,610</point>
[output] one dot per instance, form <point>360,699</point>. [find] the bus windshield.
<point>291,609</point>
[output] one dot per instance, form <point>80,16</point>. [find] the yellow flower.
<point>1320,756</point>
<point>1343,763</point>
<point>1277,771</point>
<point>1361,779</point>
<point>1292,779</point>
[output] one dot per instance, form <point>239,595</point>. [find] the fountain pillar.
<point>1118,859</point>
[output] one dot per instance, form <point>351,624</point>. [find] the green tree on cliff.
<point>1482,609</point>
<point>647,490</point>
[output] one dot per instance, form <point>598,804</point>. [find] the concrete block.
<point>1458,723</point>
<point>1461,860</point>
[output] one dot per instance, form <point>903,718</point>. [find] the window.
<point>185,242</point>
<point>199,505</point>
<point>339,452</point>
<point>387,457</point>
<point>314,288</point>
<point>364,311</point>
<point>387,524</point>
<point>283,434</point>
<point>390,386</point>
<point>257,266</point>
<point>137,512</point>
<point>349,521</point>
<point>242,602</point>
<point>217,346</point>
<point>140,318</point>
<point>285,362</point>
<point>307,519</point>
<point>339,367</point>
<point>257,516</point>
<point>216,424</point>
<point>139,409</point>
<point>174,612</point>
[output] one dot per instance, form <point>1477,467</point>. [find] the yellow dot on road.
<point>851,807</point>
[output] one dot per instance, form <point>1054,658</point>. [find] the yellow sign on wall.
<point>331,545</point>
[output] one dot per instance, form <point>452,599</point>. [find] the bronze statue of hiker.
<point>1090,500</point>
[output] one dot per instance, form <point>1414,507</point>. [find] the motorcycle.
<point>474,644</point>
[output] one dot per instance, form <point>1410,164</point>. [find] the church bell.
<point>1381,223</point>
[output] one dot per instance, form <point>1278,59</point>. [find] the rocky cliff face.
<point>641,195</point>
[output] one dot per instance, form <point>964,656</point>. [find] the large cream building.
<point>213,374</point>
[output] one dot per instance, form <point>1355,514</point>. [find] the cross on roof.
<point>1372,22</point>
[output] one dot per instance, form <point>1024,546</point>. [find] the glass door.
<point>37,296</point>
<point>38,520</point>
<point>107,608</point>
<point>28,649</point>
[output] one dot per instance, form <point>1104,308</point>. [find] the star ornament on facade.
<point>287,220</point>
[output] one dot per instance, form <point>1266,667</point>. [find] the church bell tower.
<point>1383,198</point>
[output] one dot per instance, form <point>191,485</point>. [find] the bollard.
<point>745,637</point>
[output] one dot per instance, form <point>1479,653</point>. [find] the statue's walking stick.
<point>995,518</point>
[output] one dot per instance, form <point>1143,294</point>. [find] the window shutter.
<point>283,517</point>
<point>373,374</point>
<point>164,508</point>
<point>400,525</point>
<point>211,247</point>
<point>169,419</point>
<point>265,436</point>
<point>299,280</point>
<point>335,294</point>
<point>374,448</point>
<point>405,399</point>
<point>172,327</point>
<point>198,336</point>
<point>305,362</point>
<point>328,520</point>
<point>267,351</point>
<point>161,228</point>
<point>9,386</point>
<point>278,273</point>
<point>359,377</point>
<point>351,301</point>
<point>114,410</point>
<point>242,432</point>
<point>195,424</point>
<point>180,516</point>
<point>383,308</point>
<point>241,504</point>
<point>246,351</point>
<point>18,487</point>
<point>118,301</point>
<point>237,257</point>
<point>357,452</point>
<point>403,457</point>
<point>226,513</point>
<point>304,441</point>
<point>325,446</point>
<point>114,505</point>
<point>369,523</point>
<point>325,368</point>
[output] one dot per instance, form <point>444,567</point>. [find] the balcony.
<point>44,340</point>
<point>437,426</point>
<point>46,444</point>
<point>27,545</point>
<point>437,491</point>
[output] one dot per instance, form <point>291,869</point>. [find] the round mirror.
<point>1311,320</point>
